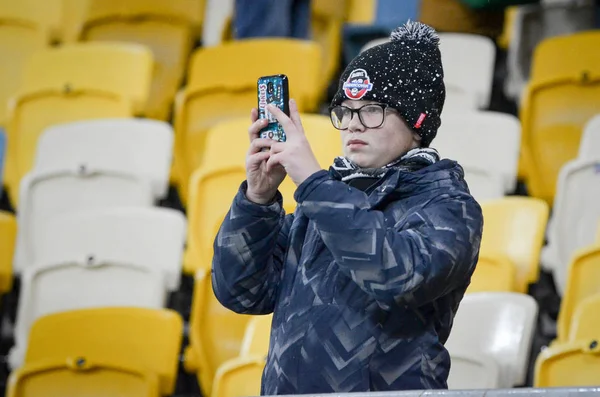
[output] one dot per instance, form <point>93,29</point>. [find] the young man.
<point>364,279</point>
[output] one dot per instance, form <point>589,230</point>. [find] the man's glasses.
<point>371,116</point>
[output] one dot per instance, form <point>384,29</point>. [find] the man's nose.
<point>355,125</point>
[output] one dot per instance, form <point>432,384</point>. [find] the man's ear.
<point>417,139</point>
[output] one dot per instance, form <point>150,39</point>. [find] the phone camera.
<point>270,87</point>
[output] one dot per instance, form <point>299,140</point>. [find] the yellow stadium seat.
<point>168,28</point>
<point>120,68</point>
<point>239,377</point>
<point>494,273</point>
<point>514,227</point>
<point>92,351</point>
<point>361,11</point>
<point>8,236</point>
<point>75,82</point>
<point>582,283</point>
<point>561,97</point>
<point>569,364</point>
<point>257,336</point>
<point>215,335</point>
<point>585,324</point>
<point>222,85</point>
<point>25,27</point>
<point>507,31</point>
<point>72,16</point>
<point>327,22</point>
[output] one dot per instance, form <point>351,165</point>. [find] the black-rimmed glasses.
<point>371,115</point>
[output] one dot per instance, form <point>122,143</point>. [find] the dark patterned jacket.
<point>364,288</point>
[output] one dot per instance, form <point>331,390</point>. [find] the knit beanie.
<point>405,73</point>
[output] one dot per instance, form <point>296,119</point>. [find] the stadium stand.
<point>123,132</point>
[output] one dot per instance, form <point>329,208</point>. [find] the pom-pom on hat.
<point>405,73</point>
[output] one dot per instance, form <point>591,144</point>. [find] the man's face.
<point>377,147</point>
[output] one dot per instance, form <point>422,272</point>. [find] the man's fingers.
<point>273,161</point>
<point>259,144</point>
<point>255,127</point>
<point>257,158</point>
<point>295,114</point>
<point>253,115</point>
<point>282,118</point>
<point>277,147</point>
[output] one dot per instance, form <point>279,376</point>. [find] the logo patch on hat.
<point>358,84</point>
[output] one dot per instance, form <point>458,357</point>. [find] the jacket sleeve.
<point>427,253</point>
<point>248,256</point>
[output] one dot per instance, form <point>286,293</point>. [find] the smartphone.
<point>273,90</point>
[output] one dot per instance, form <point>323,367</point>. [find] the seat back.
<point>2,151</point>
<point>582,283</point>
<point>568,364</point>
<point>148,339</point>
<point>25,27</point>
<point>8,238</point>
<point>44,196</point>
<point>212,192</point>
<point>32,113</point>
<point>257,336</point>
<point>471,371</point>
<point>90,376</point>
<point>514,227</point>
<point>494,273</point>
<point>482,141</point>
<point>327,20</point>
<point>589,148</point>
<point>575,215</point>
<point>562,96</point>
<point>468,73</point>
<point>239,377</point>
<point>585,323</point>
<point>168,29</point>
<point>499,325</point>
<point>89,284</point>
<point>141,147</point>
<point>149,237</point>
<point>121,68</point>
<point>216,333</point>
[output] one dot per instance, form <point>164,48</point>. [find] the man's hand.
<point>262,180</point>
<point>295,154</point>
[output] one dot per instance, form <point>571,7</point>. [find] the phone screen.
<point>273,90</point>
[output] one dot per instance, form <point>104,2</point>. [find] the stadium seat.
<point>67,84</point>
<point>561,97</point>
<point>589,148</point>
<point>514,227</point>
<point>585,323</point>
<point>483,143</point>
<point>239,377</point>
<point>8,238</point>
<point>25,27</point>
<point>112,351</point>
<point>48,288</point>
<point>498,325</point>
<point>472,370</point>
<point>531,24</point>
<point>169,29</point>
<point>467,74</point>
<point>142,147</point>
<point>222,85</point>
<point>582,283</point>
<point>327,22</point>
<point>494,273</point>
<point>2,155</point>
<point>151,237</point>
<point>215,334</point>
<point>575,217</point>
<point>92,175</point>
<point>256,336</point>
<point>569,364</point>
